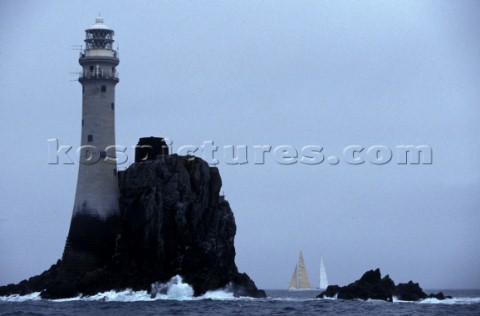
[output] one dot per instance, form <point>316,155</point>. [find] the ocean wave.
<point>452,301</point>
<point>175,289</point>
<point>21,298</point>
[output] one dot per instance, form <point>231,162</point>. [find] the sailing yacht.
<point>323,282</point>
<point>299,279</point>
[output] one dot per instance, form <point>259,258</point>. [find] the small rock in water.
<point>372,286</point>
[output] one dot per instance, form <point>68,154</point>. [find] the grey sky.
<point>296,73</point>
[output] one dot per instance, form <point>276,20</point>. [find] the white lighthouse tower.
<point>96,209</point>
<point>97,184</point>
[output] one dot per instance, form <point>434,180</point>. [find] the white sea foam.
<point>175,289</point>
<point>122,296</point>
<point>21,298</point>
<point>218,295</point>
<point>452,301</point>
<point>448,301</point>
<point>332,298</point>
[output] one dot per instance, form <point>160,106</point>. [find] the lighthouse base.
<point>91,242</point>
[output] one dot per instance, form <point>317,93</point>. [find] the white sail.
<point>323,283</point>
<point>300,278</point>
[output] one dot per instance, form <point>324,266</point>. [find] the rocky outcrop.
<point>372,286</point>
<point>173,222</point>
<point>177,223</point>
<point>409,292</point>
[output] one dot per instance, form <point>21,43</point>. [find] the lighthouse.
<point>95,215</point>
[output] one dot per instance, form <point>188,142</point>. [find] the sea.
<point>178,299</point>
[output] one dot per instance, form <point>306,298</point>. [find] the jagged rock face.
<point>410,292</point>
<point>175,222</point>
<point>369,286</point>
<point>372,286</point>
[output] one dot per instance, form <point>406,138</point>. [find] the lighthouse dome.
<point>99,25</point>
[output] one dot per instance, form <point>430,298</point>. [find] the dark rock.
<point>372,286</point>
<point>369,286</point>
<point>150,148</point>
<point>173,222</point>
<point>242,285</point>
<point>439,296</point>
<point>409,292</point>
<point>353,291</point>
<point>371,277</point>
<point>330,291</point>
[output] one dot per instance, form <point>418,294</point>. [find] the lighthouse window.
<point>104,88</point>
<point>113,106</point>
<point>90,138</point>
<point>91,68</point>
<point>103,154</point>
<point>82,122</point>
<point>114,172</point>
